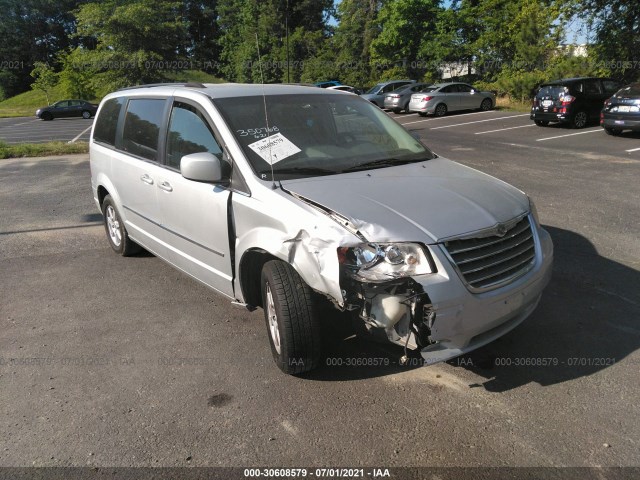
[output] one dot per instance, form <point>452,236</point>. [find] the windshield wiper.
<point>385,162</point>
<point>310,170</point>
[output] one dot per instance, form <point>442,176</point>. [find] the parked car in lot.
<point>67,108</point>
<point>377,93</point>
<point>574,101</point>
<point>278,196</point>
<point>622,110</point>
<point>328,83</point>
<point>398,99</point>
<point>345,88</point>
<point>441,98</point>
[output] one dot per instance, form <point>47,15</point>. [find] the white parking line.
<point>570,134</point>
<point>78,136</point>
<point>633,150</point>
<point>508,128</point>
<point>441,118</point>
<point>480,121</point>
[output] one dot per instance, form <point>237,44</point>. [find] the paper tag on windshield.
<point>274,148</point>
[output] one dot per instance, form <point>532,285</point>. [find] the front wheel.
<point>291,318</point>
<point>542,123</point>
<point>86,114</point>
<point>441,110</point>
<point>580,120</point>
<point>46,116</point>
<point>116,233</point>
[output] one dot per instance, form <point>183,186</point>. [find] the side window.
<point>141,127</point>
<point>389,88</point>
<point>464,88</point>
<point>417,88</point>
<point>610,86</point>
<point>592,87</point>
<point>107,122</point>
<point>189,132</point>
<point>447,89</point>
<point>74,103</point>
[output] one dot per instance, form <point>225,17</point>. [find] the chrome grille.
<point>493,261</point>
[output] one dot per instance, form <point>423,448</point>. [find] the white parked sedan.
<point>441,98</point>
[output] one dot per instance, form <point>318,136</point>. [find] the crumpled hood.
<point>427,201</point>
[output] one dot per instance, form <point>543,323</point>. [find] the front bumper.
<point>441,315</point>
<point>465,321</point>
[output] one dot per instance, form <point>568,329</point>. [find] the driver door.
<point>194,214</point>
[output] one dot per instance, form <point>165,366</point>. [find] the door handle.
<point>166,186</point>
<point>147,179</point>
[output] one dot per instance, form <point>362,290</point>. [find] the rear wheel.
<point>397,110</point>
<point>486,104</point>
<point>406,108</point>
<point>613,131</point>
<point>580,119</point>
<point>542,123</point>
<point>422,114</point>
<point>441,110</point>
<point>116,233</point>
<point>291,318</point>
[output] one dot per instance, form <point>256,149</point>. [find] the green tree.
<point>44,78</point>
<point>32,31</point>
<point>404,24</point>
<point>130,42</point>
<point>617,33</point>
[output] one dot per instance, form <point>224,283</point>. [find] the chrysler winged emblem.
<point>501,230</point>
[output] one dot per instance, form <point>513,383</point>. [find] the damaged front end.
<point>377,285</point>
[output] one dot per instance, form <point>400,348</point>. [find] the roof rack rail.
<point>175,84</point>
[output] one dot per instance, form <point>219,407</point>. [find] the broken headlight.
<point>382,261</point>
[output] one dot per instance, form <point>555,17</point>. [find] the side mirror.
<point>201,167</point>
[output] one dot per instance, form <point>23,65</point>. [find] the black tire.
<point>580,119</point>
<point>297,346</point>
<point>86,114</point>
<point>422,114</point>
<point>46,116</point>
<point>612,131</point>
<point>406,108</point>
<point>397,110</point>
<point>542,123</point>
<point>441,110</point>
<point>116,233</point>
<point>486,105</point>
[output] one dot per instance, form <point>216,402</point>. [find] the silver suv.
<point>279,196</point>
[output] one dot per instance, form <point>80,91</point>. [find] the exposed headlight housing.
<point>385,261</point>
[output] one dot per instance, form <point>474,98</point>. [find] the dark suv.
<point>575,101</point>
<point>622,111</point>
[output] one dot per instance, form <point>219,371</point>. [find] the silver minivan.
<point>284,197</point>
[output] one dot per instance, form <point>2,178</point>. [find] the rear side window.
<point>592,87</point>
<point>107,122</point>
<point>142,126</point>
<point>189,132</point>
<point>610,86</point>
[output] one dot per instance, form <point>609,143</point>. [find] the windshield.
<point>317,134</point>
<point>375,89</point>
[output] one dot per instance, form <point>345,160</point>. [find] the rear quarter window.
<point>107,122</point>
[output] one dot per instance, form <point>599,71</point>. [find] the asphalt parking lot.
<point>111,361</point>
<point>34,130</point>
